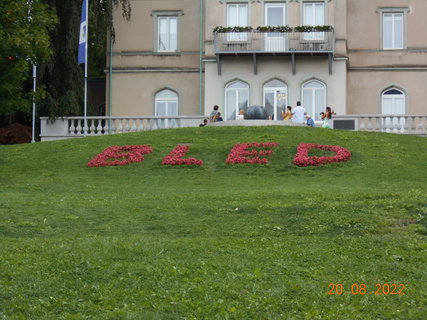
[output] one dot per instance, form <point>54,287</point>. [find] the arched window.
<point>314,98</point>
<point>236,99</point>
<point>166,104</point>
<point>275,98</point>
<point>393,103</point>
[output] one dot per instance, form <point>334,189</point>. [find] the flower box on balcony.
<point>221,29</point>
<point>313,28</point>
<point>274,29</point>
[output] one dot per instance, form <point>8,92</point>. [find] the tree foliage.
<point>24,34</point>
<point>51,38</point>
<point>63,77</point>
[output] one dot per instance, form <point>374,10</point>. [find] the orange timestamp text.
<point>362,289</point>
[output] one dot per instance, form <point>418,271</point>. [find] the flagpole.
<point>34,103</point>
<point>86,58</point>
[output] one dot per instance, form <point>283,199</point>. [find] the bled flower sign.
<point>252,153</point>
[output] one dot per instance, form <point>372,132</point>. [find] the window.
<point>275,98</point>
<point>314,98</point>
<point>236,99</point>
<point>275,16</point>
<point>393,30</point>
<point>393,103</point>
<point>167,33</point>
<point>166,104</point>
<point>237,15</point>
<point>314,15</point>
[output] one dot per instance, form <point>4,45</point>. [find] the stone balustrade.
<point>403,124</point>
<point>73,127</point>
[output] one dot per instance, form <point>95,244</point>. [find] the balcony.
<point>256,43</point>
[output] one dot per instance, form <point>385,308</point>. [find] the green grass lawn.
<point>146,241</point>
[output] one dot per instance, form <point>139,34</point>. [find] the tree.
<point>24,34</point>
<point>62,75</point>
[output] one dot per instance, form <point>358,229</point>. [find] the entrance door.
<point>275,99</point>
<point>275,16</point>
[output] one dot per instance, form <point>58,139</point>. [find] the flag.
<point>83,35</point>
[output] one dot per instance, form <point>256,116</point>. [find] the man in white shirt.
<point>298,114</point>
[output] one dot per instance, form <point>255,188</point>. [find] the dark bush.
<point>15,133</point>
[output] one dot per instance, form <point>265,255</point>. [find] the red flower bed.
<point>241,153</point>
<point>175,157</point>
<point>303,160</point>
<point>120,156</point>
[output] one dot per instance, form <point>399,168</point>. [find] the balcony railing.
<point>274,42</point>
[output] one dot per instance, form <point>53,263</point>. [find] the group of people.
<point>299,113</point>
<point>215,116</point>
<point>296,116</point>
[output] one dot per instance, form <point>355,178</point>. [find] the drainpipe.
<point>201,59</point>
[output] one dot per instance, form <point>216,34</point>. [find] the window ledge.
<point>166,53</point>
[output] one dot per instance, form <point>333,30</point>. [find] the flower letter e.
<point>120,156</point>
<point>247,153</point>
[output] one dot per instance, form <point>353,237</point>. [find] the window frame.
<point>394,124</point>
<point>315,114</point>
<point>281,4</point>
<point>165,123</point>
<point>228,89</point>
<point>168,14</point>
<point>401,95</point>
<point>393,10</point>
<point>303,3</point>
<point>270,89</point>
<point>227,16</point>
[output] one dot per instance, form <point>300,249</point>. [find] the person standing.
<point>326,117</point>
<point>298,114</point>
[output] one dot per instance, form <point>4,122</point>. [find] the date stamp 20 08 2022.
<point>362,289</point>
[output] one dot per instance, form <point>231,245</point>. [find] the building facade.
<point>183,57</point>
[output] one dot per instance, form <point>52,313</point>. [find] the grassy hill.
<point>220,241</point>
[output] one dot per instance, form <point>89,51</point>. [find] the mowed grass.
<point>146,241</point>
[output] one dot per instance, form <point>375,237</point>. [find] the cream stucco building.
<point>167,60</point>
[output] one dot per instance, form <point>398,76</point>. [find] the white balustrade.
<point>69,127</point>
<point>402,124</point>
